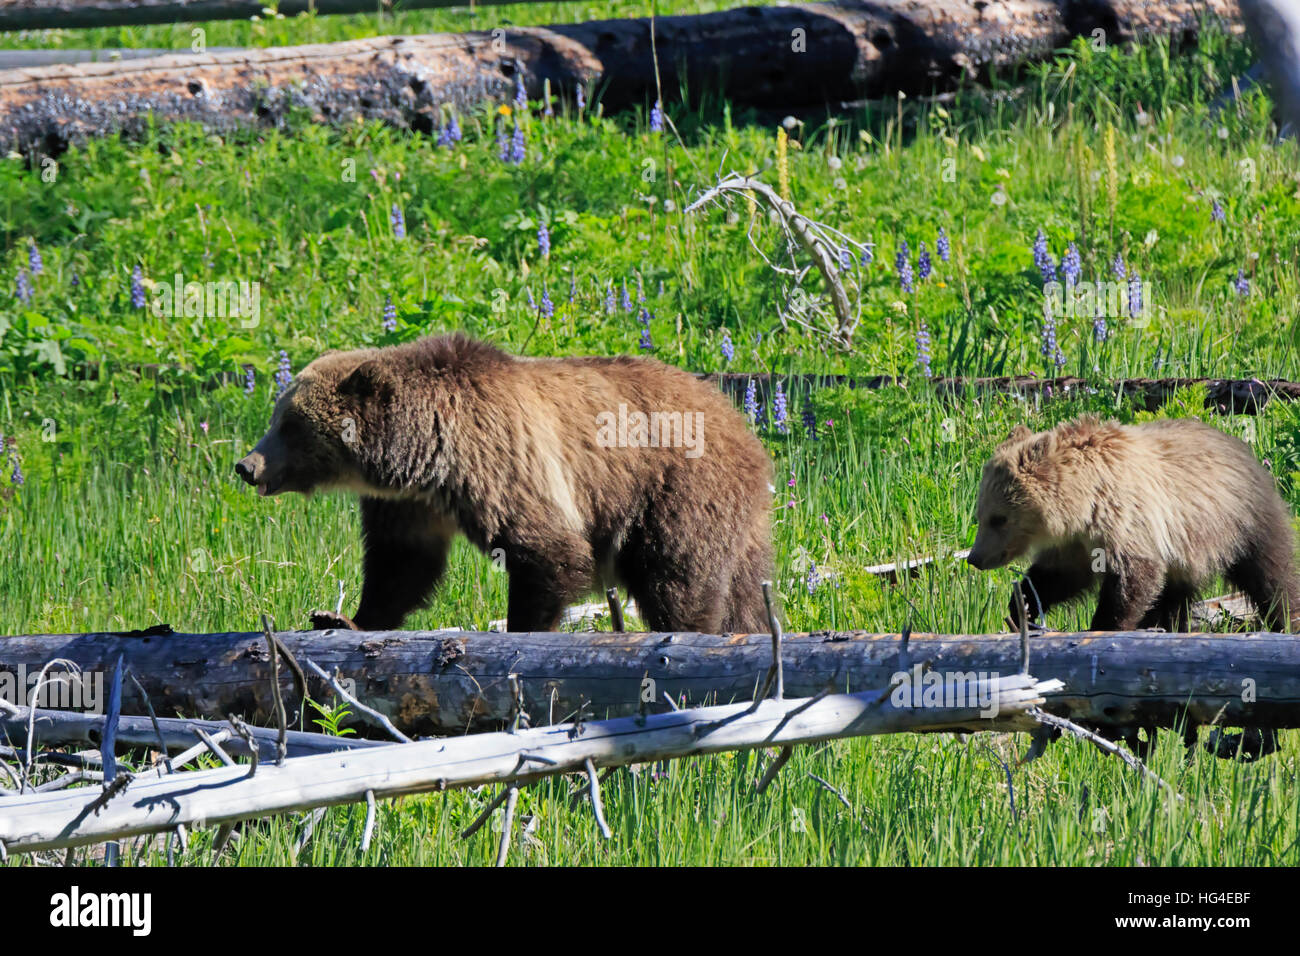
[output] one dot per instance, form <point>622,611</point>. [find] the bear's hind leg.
<point>1172,608</point>
<point>543,583</point>
<point>1269,581</point>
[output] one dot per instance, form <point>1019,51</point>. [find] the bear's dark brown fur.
<point>1151,512</point>
<point>544,459</point>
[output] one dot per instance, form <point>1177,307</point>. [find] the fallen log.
<point>777,56</point>
<point>1241,396</point>
<point>63,728</point>
<point>150,804</point>
<point>455,682</point>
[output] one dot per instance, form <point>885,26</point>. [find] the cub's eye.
<point>997,521</point>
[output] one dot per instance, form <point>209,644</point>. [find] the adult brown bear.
<point>579,472</point>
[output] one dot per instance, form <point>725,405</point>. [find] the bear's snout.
<point>252,468</point>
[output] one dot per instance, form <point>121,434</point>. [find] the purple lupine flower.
<point>726,348</point>
<point>923,350</point>
<point>532,303</point>
<point>23,286</point>
<point>780,411</point>
<point>646,345</point>
<point>923,263</point>
<point>1099,331</point>
<point>867,255</point>
<point>16,476</point>
<point>846,260</point>
<point>813,579</point>
<point>1071,265</point>
<point>518,146</point>
<point>390,315</point>
<point>34,261</point>
<point>941,246</point>
<point>521,95</point>
<point>1216,212</point>
<point>627,299</point>
<point>1049,349</point>
<point>282,374</point>
<point>503,144</point>
<point>609,299</point>
<point>1242,285</point>
<point>250,380</point>
<point>137,287</point>
<point>548,307</point>
<point>903,265</point>
<point>1134,295</point>
<point>573,287</point>
<point>751,402</point>
<point>1043,258</point>
<point>656,118</point>
<point>398,221</point>
<point>1117,267</point>
<point>580,96</point>
<point>640,288</point>
<point>75,281</point>
<point>451,133</point>
<point>810,421</point>
<point>543,241</point>
<point>644,317</point>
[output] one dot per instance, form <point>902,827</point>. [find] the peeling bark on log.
<point>787,56</point>
<point>1240,396</point>
<point>454,682</point>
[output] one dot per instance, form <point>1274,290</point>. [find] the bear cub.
<point>578,472</point>
<point>1151,513</point>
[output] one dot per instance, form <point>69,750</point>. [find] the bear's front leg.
<point>406,544</point>
<point>542,583</point>
<point>1128,591</point>
<point>1057,576</point>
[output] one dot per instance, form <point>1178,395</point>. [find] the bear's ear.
<point>1018,434</point>
<point>369,380</point>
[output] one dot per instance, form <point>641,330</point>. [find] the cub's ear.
<point>369,380</point>
<point>1018,434</point>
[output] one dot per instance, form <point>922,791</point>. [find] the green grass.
<point>130,514</point>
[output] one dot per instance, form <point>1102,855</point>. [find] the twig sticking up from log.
<point>224,832</point>
<point>593,784</point>
<point>774,768</point>
<point>242,729</point>
<point>369,712</point>
<point>281,718</point>
<point>1106,746</point>
<point>507,824</point>
<point>775,625</point>
<point>828,248</point>
<point>153,719</point>
<point>615,609</point>
<point>482,818</point>
<point>26,767</point>
<point>1024,630</point>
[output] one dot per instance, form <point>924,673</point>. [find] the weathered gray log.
<point>777,56</point>
<point>225,795</point>
<point>454,682</point>
<point>1241,396</point>
<point>63,728</point>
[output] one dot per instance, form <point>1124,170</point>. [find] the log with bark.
<point>778,56</point>
<point>455,682</point>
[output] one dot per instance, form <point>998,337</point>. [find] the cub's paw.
<point>326,620</point>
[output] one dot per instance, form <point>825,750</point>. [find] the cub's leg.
<point>542,583</point>
<point>406,544</point>
<point>1128,590</point>
<point>1057,576</point>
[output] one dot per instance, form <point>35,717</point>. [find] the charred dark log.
<point>809,54</point>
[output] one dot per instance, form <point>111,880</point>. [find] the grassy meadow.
<point>119,507</point>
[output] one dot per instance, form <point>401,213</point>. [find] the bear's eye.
<point>997,521</point>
